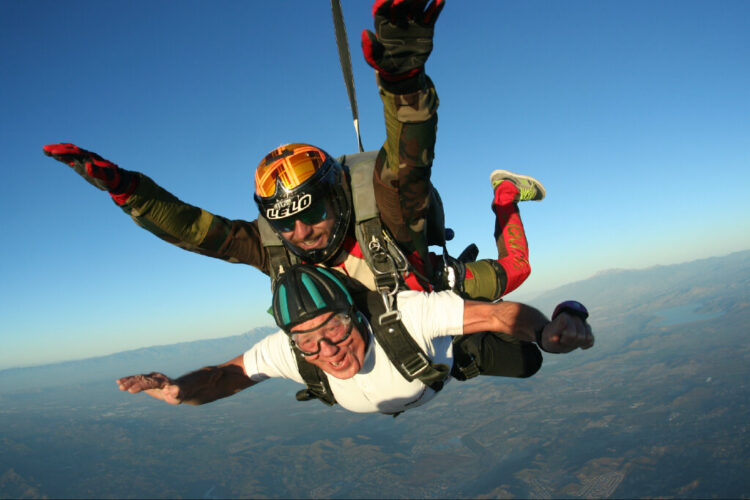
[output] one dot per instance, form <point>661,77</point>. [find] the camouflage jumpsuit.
<point>402,190</point>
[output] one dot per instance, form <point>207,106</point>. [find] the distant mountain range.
<point>658,286</point>
<point>714,284</point>
<point>174,359</point>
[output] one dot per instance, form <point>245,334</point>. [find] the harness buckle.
<point>389,317</point>
<point>416,365</point>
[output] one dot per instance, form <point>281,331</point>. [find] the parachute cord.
<point>346,64</point>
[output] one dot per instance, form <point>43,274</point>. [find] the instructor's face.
<point>310,236</point>
<point>342,360</point>
<point>312,229</point>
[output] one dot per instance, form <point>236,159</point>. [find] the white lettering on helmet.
<point>288,207</point>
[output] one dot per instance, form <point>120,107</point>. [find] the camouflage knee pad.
<point>484,279</point>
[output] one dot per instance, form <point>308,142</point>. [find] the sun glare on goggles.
<point>291,168</point>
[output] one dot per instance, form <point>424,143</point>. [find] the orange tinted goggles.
<point>290,166</point>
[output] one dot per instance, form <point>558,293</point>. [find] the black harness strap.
<point>402,350</point>
<point>316,381</point>
<point>405,354</point>
<point>279,257</point>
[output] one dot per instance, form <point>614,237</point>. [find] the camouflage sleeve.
<point>402,169</point>
<point>195,229</point>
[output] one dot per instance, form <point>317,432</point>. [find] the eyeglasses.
<point>313,214</point>
<point>290,166</point>
<point>334,330</point>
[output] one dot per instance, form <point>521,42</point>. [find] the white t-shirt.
<point>430,318</point>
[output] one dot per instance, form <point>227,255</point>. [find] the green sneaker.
<point>530,188</point>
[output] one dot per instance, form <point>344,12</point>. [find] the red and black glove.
<point>402,41</point>
<point>102,173</point>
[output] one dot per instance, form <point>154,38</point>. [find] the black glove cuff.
<point>408,86</point>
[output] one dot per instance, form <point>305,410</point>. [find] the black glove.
<point>402,41</point>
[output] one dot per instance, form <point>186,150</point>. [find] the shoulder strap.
<point>280,258</point>
<point>361,167</point>
<point>405,354</point>
<point>384,258</point>
<point>316,381</point>
<point>401,348</point>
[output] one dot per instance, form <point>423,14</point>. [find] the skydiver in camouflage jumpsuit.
<point>397,50</point>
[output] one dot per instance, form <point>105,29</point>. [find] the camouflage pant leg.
<point>494,354</point>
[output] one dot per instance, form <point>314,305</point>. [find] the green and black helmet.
<point>305,291</point>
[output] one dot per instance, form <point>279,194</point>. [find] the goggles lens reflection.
<point>336,329</point>
<point>292,169</point>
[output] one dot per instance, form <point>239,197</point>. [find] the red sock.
<point>505,194</point>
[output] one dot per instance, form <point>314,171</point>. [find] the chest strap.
<point>400,347</point>
<point>316,381</point>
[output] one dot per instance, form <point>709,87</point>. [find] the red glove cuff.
<point>122,196</point>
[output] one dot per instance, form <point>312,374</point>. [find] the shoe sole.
<point>508,173</point>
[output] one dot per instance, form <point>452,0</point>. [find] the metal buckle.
<point>319,387</point>
<point>389,317</point>
<point>421,361</point>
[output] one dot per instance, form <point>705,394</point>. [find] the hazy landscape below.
<point>658,408</point>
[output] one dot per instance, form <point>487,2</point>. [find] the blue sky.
<point>635,115</point>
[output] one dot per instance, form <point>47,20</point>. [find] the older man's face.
<point>343,360</point>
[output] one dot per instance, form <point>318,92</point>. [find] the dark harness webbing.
<point>316,380</point>
<point>278,256</point>
<point>402,350</point>
<point>400,347</point>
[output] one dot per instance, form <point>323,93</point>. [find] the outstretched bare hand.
<point>154,384</point>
